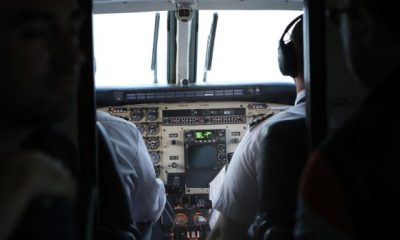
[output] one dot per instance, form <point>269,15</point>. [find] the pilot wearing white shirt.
<point>239,197</point>
<point>239,202</point>
<point>145,191</point>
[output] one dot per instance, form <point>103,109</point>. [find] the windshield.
<point>245,47</point>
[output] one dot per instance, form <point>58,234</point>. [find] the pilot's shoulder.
<point>257,119</point>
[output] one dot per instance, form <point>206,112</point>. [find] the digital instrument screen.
<point>202,157</point>
<point>205,134</point>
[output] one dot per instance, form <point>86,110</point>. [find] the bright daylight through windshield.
<point>245,47</point>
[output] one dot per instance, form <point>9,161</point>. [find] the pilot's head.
<point>290,52</point>
<point>40,60</point>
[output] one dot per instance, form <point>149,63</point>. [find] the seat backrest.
<point>46,217</point>
<point>284,154</point>
<point>114,211</point>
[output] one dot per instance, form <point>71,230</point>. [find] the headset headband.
<point>290,25</point>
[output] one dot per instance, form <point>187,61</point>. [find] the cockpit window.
<point>123,45</point>
<point>245,47</point>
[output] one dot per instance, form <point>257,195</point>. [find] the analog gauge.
<point>181,219</point>
<point>155,156</point>
<point>140,127</point>
<point>152,128</point>
<point>152,143</point>
<point>199,219</point>
<point>136,114</point>
<point>152,114</point>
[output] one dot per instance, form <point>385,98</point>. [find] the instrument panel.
<point>192,137</point>
<point>191,134</point>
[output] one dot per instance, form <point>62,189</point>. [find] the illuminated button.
<point>181,219</point>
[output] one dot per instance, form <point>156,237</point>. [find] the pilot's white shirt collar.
<point>300,95</point>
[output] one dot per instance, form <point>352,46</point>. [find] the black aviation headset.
<point>287,53</point>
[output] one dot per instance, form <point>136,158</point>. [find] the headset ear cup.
<point>287,52</point>
<point>287,58</point>
<point>281,57</point>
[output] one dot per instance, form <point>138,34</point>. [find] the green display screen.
<point>203,134</point>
